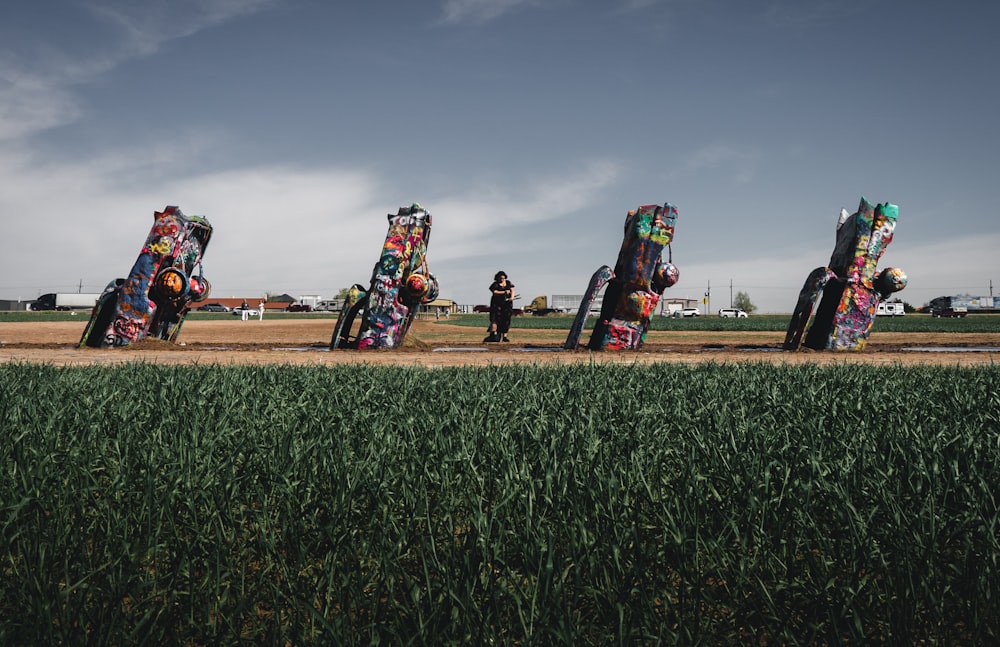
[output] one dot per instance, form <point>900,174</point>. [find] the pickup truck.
<point>950,312</point>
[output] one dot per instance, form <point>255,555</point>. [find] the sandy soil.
<point>430,343</point>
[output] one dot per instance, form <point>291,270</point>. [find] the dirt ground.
<point>430,343</point>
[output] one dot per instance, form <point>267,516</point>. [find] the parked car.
<point>733,312</point>
<point>250,311</point>
<point>687,312</point>
<point>299,307</point>
<point>958,312</point>
<point>214,307</point>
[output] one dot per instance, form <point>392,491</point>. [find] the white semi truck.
<point>66,301</point>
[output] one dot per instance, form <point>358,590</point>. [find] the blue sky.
<point>527,128</point>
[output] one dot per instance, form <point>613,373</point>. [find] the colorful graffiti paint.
<point>155,297</point>
<point>849,289</point>
<point>400,283</point>
<point>635,285</point>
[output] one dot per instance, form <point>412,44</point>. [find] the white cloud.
<point>478,217</point>
<point>739,165</point>
<point>957,266</point>
<point>36,92</point>
<point>29,104</point>
<point>288,229</point>
<point>479,11</point>
<point>67,222</point>
<point>277,228</point>
<point>145,26</point>
<point>961,265</point>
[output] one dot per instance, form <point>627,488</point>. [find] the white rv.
<point>892,309</point>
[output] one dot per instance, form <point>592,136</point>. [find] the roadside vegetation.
<point>761,323</point>
<point>714,504</point>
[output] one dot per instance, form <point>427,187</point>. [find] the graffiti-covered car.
<point>400,284</point>
<point>634,286</point>
<point>846,293</point>
<point>152,301</point>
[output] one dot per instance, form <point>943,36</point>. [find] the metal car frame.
<point>848,290</point>
<point>634,286</point>
<point>159,290</point>
<point>400,284</point>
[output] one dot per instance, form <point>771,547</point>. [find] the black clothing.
<point>501,305</point>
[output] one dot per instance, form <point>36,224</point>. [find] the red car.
<point>299,307</point>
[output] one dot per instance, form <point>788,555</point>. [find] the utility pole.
<point>708,297</point>
<point>79,288</point>
<point>730,293</point>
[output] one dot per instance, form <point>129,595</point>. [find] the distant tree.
<point>907,308</point>
<point>343,293</point>
<point>742,301</point>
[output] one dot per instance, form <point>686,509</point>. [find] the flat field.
<point>249,486</point>
<point>303,340</point>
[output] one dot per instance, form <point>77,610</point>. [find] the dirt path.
<point>290,341</point>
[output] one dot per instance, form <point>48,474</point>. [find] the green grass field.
<point>758,323</point>
<point>715,504</point>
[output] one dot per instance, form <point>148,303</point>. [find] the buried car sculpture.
<point>400,284</point>
<point>849,290</point>
<point>155,297</point>
<point>634,286</point>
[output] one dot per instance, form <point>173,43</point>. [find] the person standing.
<point>244,310</point>
<point>260,311</point>
<point>501,304</point>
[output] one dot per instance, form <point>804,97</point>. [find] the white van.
<point>890,309</point>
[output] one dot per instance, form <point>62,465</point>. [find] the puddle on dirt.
<point>755,349</point>
<point>322,349</point>
<point>954,349</point>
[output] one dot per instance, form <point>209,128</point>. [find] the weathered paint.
<point>849,290</point>
<point>597,282</point>
<point>637,282</point>
<point>400,283</point>
<point>153,300</point>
